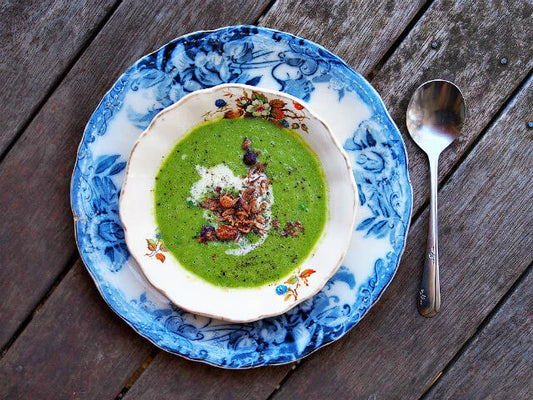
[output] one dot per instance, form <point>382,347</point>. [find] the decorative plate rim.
<point>372,92</point>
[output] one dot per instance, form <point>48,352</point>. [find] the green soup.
<point>296,196</point>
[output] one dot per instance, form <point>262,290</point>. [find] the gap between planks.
<point>68,266</point>
<point>479,329</point>
<point>58,82</point>
<point>284,379</point>
<point>138,372</point>
<point>265,11</point>
<point>417,17</point>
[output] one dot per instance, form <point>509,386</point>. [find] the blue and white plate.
<point>273,60</point>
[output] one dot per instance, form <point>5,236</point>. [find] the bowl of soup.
<point>238,203</point>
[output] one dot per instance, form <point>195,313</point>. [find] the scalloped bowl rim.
<point>316,286</point>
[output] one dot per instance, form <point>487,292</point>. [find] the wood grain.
<point>472,38</point>
<point>168,375</point>
<point>499,361</point>
<point>74,348</point>
<point>360,32</point>
<point>486,243</point>
<point>38,40</point>
<point>36,236</point>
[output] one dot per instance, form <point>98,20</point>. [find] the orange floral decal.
<point>257,105</point>
<point>156,248</point>
<point>290,288</point>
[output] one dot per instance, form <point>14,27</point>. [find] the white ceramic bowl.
<point>163,270</point>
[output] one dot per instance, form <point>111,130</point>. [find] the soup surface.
<point>240,202</point>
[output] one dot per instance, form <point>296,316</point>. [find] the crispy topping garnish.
<point>239,214</point>
<point>247,195</point>
<point>226,232</point>
<point>291,228</point>
<point>253,206</point>
<point>260,168</point>
<point>227,218</point>
<point>244,226</point>
<point>227,201</point>
<point>299,226</point>
<point>210,203</point>
<point>229,211</point>
<point>207,234</point>
<point>245,205</point>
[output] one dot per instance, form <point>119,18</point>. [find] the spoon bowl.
<point>435,116</point>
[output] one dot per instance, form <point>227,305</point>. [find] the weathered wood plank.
<point>36,231</point>
<point>74,348</point>
<point>360,32</point>
<point>486,226</point>
<point>472,38</point>
<point>499,361</point>
<point>161,380</point>
<point>38,40</point>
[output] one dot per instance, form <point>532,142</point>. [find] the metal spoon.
<point>435,116</point>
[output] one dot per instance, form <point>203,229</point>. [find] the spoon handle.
<point>429,294</point>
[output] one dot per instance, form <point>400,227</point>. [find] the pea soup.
<point>240,202</point>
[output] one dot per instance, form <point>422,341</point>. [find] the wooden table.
<point>59,340</point>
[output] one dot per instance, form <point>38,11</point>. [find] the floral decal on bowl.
<point>294,281</point>
<point>156,248</point>
<point>257,105</point>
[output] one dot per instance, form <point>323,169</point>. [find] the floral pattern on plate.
<point>264,58</point>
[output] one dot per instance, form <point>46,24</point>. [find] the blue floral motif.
<point>185,66</point>
<point>105,233</point>
<point>281,289</point>
<point>377,160</point>
<point>255,56</point>
<point>220,103</point>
